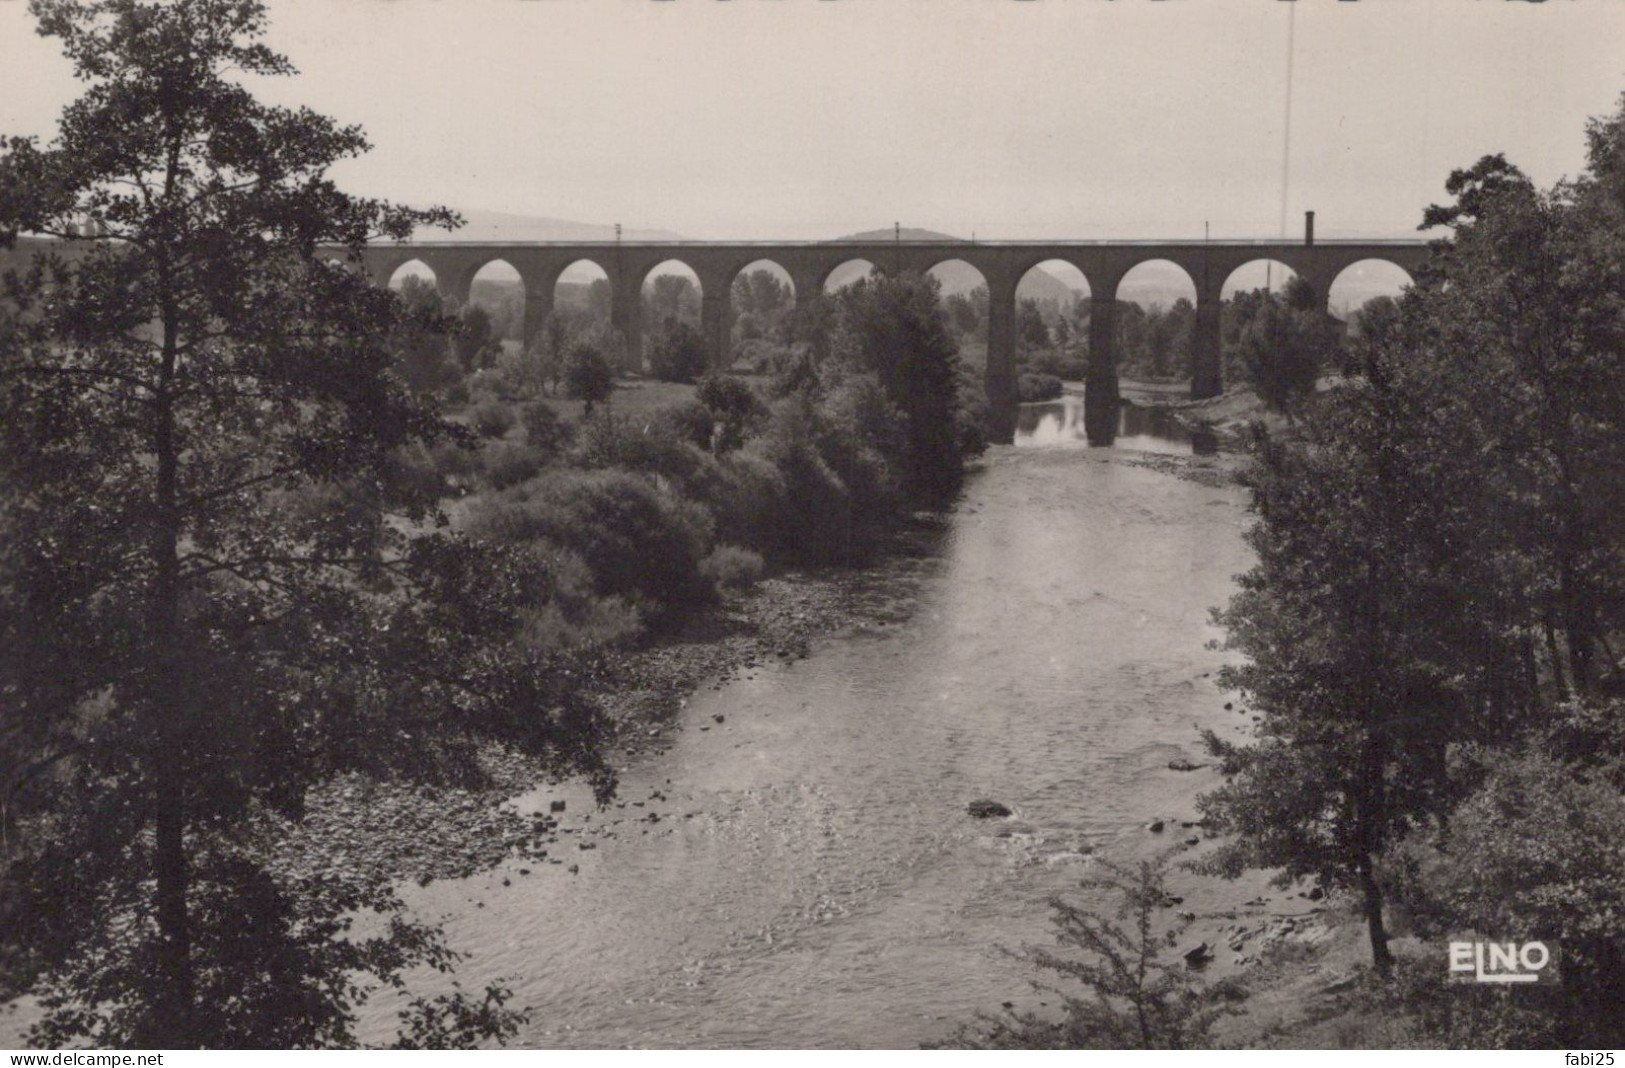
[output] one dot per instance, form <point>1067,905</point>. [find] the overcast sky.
<point>801,119</point>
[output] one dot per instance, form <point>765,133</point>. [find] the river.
<point>812,878</point>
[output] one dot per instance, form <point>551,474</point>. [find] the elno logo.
<point>1478,961</point>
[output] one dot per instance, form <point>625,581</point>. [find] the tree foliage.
<point>1434,627</point>
<point>892,327</point>
<point>1132,997</point>
<point>203,611</point>
<point>678,353</point>
<point>588,376</point>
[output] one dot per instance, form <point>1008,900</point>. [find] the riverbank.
<point>796,768</point>
<point>1227,417</point>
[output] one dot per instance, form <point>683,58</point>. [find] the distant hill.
<point>908,233</point>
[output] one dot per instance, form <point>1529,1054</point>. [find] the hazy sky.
<point>802,119</point>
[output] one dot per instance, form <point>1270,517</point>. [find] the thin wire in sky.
<point>1286,132</point>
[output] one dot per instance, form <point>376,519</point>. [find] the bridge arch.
<point>1155,321</point>
<point>583,293</point>
<point>1363,280</point>
<point>498,287</point>
<point>1262,273</point>
<point>761,297</point>
<point>1060,294</point>
<point>671,289</point>
<point>847,272</point>
<point>412,268</point>
<point>964,298</point>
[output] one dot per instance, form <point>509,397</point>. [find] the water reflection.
<point>1146,429</point>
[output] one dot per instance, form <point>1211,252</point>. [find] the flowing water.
<point>812,877</point>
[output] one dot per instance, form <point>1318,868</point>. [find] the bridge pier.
<point>1100,394</point>
<point>448,280</point>
<point>714,326</point>
<point>538,306</point>
<point>808,284</point>
<point>1207,373</point>
<point>626,318</point>
<point>1003,398</point>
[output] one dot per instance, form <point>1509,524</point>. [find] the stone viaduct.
<point>1002,264</point>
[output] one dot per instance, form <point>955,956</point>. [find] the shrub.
<point>411,478</point>
<point>678,354</point>
<point>638,541</point>
<point>1133,996</point>
<point>544,430</point>
<point>1537,852</point>
<point>690,422</point>
<point>1282,352</point>
<point>731,568</point>
<point>491,419</point>
<point>588,376</point>
<point>761,355</point>
<point>506,463</point>
<point>733,406</point>
<point>1067,368</point>
<point>656,445</point>
<point>748,503</point>
<point>1039,387</point>
<point>812,520</point>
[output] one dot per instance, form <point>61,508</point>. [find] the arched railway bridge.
<point>1209,266</point>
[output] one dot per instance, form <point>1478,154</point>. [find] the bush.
<point>1537,852</point>
<point>638,540</point>
<point>1133,996</point>
<point>491,419</point>
<point>506,463</point>
<point>1067,368</point>
<point>412,479</point>
<point>733,407</point>
<point>762,355</point>
<point>690,422</point>
<point>812,521</point>
<point>748,503</point>
<point>657,445</point>
<point>544,430</point>
<point>588,376</point>
<point>1282,352</point>
<point>1032,388</point>
<point>678,354</point>
<point>731,568</point>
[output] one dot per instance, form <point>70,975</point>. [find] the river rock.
<point>1156,826</point>
<point>555,806</point>
<point>1199,956</point>
<point>1183,765</point>
<point>983,809</point>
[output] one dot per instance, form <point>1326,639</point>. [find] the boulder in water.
<point>984,809</point>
